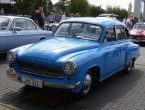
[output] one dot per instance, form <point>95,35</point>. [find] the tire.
<point>87,85</point>
<point>41,39</point>
<point>128,67</point>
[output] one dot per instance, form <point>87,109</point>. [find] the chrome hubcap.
<point>87,83</point>
<point>129,65</point>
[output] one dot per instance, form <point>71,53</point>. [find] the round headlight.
<point>69,68</point>
<point>11,57</point>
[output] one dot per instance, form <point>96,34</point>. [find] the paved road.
<point>119,92</point>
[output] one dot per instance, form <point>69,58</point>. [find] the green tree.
<point>129,9</point>
<point>28,6</point>
<point>24,6</point>
<point>79,6</point>
<point>95,10</point>
<point>62,6</point>
<point>123,13</point>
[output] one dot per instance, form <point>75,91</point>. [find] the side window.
<point>110,34</point>
<point>20,23</point>
<point>121,32</point>
<point>30,25</point>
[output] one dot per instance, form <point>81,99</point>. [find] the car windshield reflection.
<point>4,21</point>
<point>79,30</point>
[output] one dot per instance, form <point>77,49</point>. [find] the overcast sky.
<point>104,3</point>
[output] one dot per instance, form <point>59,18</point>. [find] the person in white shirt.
<point>2,11</point>
<point>63,16</point>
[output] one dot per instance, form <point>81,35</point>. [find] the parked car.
<point>107,18</point>
<point>82,52</point>
<point>112,15</point>
<point>138,33</point>
<point>17,31</point>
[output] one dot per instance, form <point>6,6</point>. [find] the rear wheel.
<point>128,67</point>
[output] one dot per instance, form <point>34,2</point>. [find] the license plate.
<point>32,82</point>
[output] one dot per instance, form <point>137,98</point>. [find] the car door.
<point>122,39</point>
<point>111,51</point>
<point>34,32</point>
<point>18,34</point>
<point>4,23</point>
<point>2,43</point>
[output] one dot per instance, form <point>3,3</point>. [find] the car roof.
<point>98,20</point>
<point>11,17</point>
<point>103,15</point>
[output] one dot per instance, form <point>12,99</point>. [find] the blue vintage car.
<point>82,52</point>
<point>17,31</point>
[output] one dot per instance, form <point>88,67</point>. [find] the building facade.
<point>139,8</point>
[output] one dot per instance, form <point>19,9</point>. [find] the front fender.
<point>84,60</point>
<point>21,49</point>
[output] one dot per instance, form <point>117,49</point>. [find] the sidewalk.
<point>8,107</point>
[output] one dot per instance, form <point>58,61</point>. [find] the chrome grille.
<point>40,70</point>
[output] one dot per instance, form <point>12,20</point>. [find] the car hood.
<point>3,32</point>
<point>137,32</point>
<point>56,47</point>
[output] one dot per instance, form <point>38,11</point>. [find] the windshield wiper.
<point>79,36</point>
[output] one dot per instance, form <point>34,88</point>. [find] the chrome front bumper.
<point>61,86</point>
<point>15,76</point>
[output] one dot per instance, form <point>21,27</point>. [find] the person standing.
<point>63,16</point>
<point>33,17</point>
<point>57,16</point>
<point>2,12</point>
<point>51,18</point>
<point>40,18</point>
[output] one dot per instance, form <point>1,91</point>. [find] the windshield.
<point>4,21</point>
<point>139,26</point>
<point>79,30</point>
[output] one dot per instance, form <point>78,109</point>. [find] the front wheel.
<point>128,67</point>
<point>87,84</point>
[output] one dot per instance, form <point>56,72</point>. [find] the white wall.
<point>137,8</point>
<point>5,1</point>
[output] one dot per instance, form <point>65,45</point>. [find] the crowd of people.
<point>40,18</point>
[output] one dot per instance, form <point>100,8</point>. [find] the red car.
<point>138,33</point>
